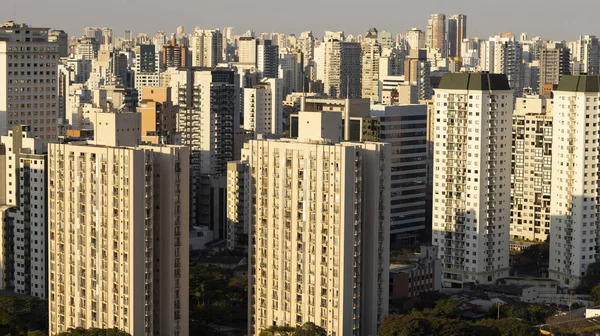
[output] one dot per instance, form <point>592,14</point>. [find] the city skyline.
<point>485,19</point>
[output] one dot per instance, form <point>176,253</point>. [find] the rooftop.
<point>581,83</point>
<point>481,81</point>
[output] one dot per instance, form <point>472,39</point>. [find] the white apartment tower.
<point>532,169</point>
<point>371,54</point>
<point>342,69</point>
<point>28,74</point>
<point>471,183</point>
<point>503,54</point>
<point>263,107</point>
<point>23,213</point>
<point>118,238</point>
<point>319,229</point>
<point>575,208</point>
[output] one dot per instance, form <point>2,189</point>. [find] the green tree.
<point>452,327</point>
<point>595,294</point>
<point>278,331</point>
<point>405,325</point>
<point>94,332</point>
<point>310,329</point>
<point>507,327</point>
<point>591,278</point>
<point>447,309</point>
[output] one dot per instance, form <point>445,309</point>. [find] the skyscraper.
<point>267,59</point>
<point>457,32</point>
<point>39,108</point>
<point>322,254</point>
<point>118,235</point>
<point>435,35</point>
<point>415,39</point>
<point>531,169</point>
<point>263,107</point>
<point>23,214</point>
<point>371,53</point>
<point>554,63</point>
<point>147,68</point>
<point>174,55</point>
<point>471,192</point>
<point>417,70</point>
<point>342,69</point>
<point>207,48</point>
<point>575,229</point>
<point>503,54</point>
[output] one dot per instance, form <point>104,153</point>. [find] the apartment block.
<point>263,107</point>
<point>118,237</point>
<point>574,210</point>
<point>23,213</point>
<point>531,169</point>
<point>159,116</point>
<point>28,74</point>
<point>320,230</point>
<point>471,183</point>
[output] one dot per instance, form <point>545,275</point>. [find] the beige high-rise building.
<point>320,229</point>
<point>118,237</point>
<point>554,63</point>
<point>342,69</point>
<point>28,89</point>
<point>207,48</point>
<point>371,54</point>
<point>159,116</point>
<point>435,34</point>
<point>247,50</point>
<point>531,169</point>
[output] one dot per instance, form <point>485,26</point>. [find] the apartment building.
<point>28,74</point>
<point>118,236</point>
<point>531,169</point>
<point>471,183</point>
<point>263,107</point>
<point>574,210</point>
<point>320,229</point>
<point>23,213</point>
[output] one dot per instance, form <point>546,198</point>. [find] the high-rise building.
<point>404,127</point>
<point>504,55</point>
<point>118,236</point>
<point>159,116</point>
<point>39,108</point>
<point>329,218</point>
<point>62,39</point>
<point>238,205</point>
<point>457,32</point>
<point>342,69</point>
<point>247,50</point>
<point>23,214</point>
<point>415,39</point>
<point>587,55</point>
<point>371,54</point>
<point>207,48</point>
<point>291,72</point>
<point>267,59</point>
<point>554,63</point>
<point>531,169</point>
<point>575,229</point>
<point>174,55</point>
<point>435,35</point>
<point>147,68</point>
<point>263,107</point>
<point>417,71</point>
<point>471,183</point>
<point>208,117</point>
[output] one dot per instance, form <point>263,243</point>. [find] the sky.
<point>549,19</point>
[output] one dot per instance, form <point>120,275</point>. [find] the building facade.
<point>531,169</point>
<point>118,238</point>
<point>28,89</point>
<point>471,183</point>
<point>263,107</point>
<point>575,227</point>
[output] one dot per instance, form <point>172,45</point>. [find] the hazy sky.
<point>549,19</point>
